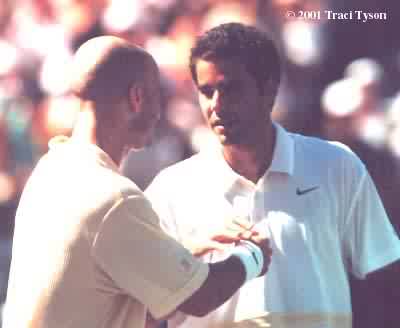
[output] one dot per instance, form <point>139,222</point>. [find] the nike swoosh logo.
<point>300,192</point>
<point>252,253</point>
<point>255,258</point>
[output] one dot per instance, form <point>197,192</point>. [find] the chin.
<point>228,141</point>
<point>224,141</point>
<point>222,138</point>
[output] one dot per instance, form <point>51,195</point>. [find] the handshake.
<point>240,238</point>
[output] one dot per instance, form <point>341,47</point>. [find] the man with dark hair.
<point>314,198</point>
<point>251,47</point>
<point>88,250</point>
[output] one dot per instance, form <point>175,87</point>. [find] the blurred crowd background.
<point>341,81</point>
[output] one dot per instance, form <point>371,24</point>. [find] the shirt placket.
<point>244,201</point>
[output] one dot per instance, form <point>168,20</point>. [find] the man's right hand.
<point>234,230</point>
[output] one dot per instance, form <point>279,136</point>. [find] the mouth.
<point>223,124</point>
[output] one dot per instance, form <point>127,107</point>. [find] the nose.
<point>216,101</point>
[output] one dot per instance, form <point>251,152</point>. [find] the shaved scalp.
<point>105,67</point>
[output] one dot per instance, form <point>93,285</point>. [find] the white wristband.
<point>251,256</point>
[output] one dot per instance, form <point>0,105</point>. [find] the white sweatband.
<point>251,256</point>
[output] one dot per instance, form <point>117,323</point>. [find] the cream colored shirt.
<point>88,251</point>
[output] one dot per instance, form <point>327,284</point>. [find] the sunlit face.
<point>231,102</point>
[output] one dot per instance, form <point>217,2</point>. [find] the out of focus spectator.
<point>354,115</point>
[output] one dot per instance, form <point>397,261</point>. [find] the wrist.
<point>251,257</point>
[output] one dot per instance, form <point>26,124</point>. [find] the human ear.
<point>136,98</point>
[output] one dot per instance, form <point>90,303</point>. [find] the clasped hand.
<point>234,230</point>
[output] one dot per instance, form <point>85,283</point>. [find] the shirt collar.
<point>282,162</point>
<point>283,156</point>
<point>85,149</point>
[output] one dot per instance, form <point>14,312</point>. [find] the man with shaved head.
<point>88,251</point>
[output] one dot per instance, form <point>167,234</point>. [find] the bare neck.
<point>85,126</point>
<point>252,161</point>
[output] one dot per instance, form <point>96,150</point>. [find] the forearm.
<point>223,280</point>
<point>249,259</point>
<point>151,322</point>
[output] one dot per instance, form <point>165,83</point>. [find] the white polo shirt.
<point>320,207</point>
<point>88,251</point>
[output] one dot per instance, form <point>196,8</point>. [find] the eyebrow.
<point>218,84</point>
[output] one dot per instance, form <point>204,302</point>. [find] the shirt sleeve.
<point>370,240</point>
<point>143,261</point>
<point>159,199</point>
